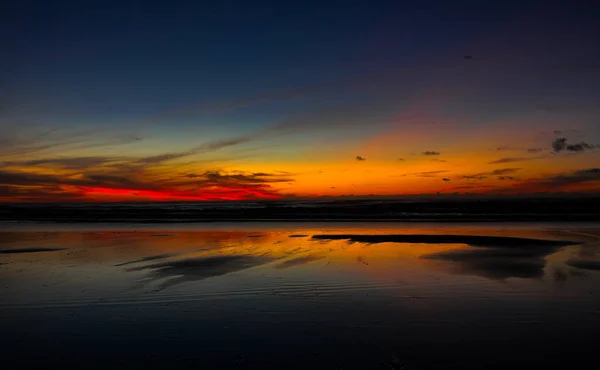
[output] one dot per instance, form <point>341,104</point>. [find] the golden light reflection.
<point>168,254</point>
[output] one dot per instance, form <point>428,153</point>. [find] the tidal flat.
<point>299,295</point>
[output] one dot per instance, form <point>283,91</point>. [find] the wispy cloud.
<point>220,178</point>
<point>19,141</point>
<point>566,179</point>
<point>334,117</point>
<point>39,193</point>
<point>485,175</point>
<point>70,163</point>
<point>504,171</point>
<point>467,187</point>
<point>20,178</point>
<point>505,148</point>
<point>430,152</point>
<point>513,160</point>
<point>561,144</point>
<point>206,185</point>
<point>207,147</point>
<point>165,157</point>
<point>425,174</point>
<point>204,108</point>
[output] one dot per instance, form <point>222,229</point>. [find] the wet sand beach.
<point>299,295</point>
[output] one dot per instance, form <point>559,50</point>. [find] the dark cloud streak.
<point>513,160</point>
<point>204,148</point>
<point>561,144</point>
<point>425,174</point>
<point>566,179</point>
<point>484,175</point>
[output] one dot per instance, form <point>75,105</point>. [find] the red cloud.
<point>213,193</point>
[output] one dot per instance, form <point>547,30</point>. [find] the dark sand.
<point>301,296</point>
<point>584,264</point>
<point>146,259</point>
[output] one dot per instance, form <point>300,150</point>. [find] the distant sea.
<point>474,210</point>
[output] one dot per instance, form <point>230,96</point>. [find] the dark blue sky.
<point>130,57</point>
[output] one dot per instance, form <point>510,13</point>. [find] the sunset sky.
<point>228,100</point>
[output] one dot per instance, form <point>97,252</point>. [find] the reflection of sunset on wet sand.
<point>177,257</point>
<point>352,295</point>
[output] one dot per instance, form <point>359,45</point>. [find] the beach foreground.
<point>299,295</point>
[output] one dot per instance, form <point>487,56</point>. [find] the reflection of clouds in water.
<point>526,261</point>
<point>147,259</point>
<point>584,264</point>
<point>473,240</point>
<point>236,252</point>
<point>495,263</point>
<point>195,269</point>
<point>222,252</point>
<point>492,257</point>
<point>298,261</point>
<point>587,256</point>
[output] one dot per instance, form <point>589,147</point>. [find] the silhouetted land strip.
<point>30,250</point>
<point>473,240</point>
<point>573,209</point>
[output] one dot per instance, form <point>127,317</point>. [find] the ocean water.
<point>299,295</point>
<point>474,209</point>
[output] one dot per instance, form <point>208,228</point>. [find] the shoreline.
<point>294,226</point>
<point>486,211</point>
<point>508,219</point>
